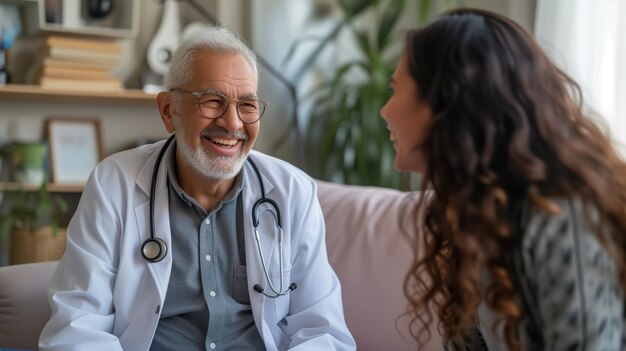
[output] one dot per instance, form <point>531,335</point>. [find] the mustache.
<point>223,133</point>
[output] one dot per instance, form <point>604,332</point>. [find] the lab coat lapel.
<point>160,271</point>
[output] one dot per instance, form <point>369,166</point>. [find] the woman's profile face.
<point>408,119</point>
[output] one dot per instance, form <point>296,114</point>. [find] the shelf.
<point>22,92</point>
<point>121,23</point>
<point>52,187</point>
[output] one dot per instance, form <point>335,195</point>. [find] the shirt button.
<point>207,221</point>
<point>212,345</point>
<point>212,293</point>
<point>207,257</point>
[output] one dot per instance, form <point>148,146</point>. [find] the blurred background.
<point>78,78</point>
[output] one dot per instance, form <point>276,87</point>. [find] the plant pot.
<point>37,246</point>
<point>28,162</point>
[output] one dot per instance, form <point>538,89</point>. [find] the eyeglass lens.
<point>214,105</point>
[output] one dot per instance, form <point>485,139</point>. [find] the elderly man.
<point>198,243</point>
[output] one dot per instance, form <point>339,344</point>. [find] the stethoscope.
<point>155,249</point>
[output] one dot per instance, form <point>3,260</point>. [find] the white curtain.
<point>587,39</point>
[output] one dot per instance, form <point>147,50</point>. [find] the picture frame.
<point>75,148</point>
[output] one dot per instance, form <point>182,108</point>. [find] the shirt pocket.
<point>240,285</point>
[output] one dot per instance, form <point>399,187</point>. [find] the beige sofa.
<point>365,246</point>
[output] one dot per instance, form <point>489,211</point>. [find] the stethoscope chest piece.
<point>154,249</point>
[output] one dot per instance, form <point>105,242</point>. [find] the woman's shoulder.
<point>544,232</point>
<point>568,279</point>
<point>557,242</point>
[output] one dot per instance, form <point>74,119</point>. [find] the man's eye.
<point>211,101</point>
<point>249,105</point>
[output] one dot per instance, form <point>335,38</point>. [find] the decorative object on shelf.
<point>99,8</point>
<point>4,76</point>
<point>75,148</point>
<point>10,25</point>
<point>10,29</point>
<point>53,11</point>
<point>27,161</point>
<point>163,45</point>
<point>72,18</point>
<point>29,218</point>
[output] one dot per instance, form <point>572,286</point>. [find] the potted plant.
<point>347,141</point>
<point>28,216</point>
<point>28,161</point>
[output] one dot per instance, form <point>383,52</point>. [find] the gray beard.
<point>211,166</point>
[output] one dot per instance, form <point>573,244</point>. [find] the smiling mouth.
<point>225,143</point>
<point>392,136</point>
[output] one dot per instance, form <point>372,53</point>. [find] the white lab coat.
<point>105,296</point>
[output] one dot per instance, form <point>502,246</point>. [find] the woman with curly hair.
<point>524,236</point>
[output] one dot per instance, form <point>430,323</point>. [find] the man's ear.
<point>166,109</point>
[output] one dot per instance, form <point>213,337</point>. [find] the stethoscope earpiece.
<point>155,249</point>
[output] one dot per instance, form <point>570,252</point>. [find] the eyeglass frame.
<point>228,100</point>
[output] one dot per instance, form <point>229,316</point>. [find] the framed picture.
<point>75,148</point>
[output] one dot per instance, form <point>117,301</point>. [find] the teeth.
<point>225,142</point>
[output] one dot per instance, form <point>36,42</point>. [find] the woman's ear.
<point>166,109</point>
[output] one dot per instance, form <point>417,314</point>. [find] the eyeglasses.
<point>213,105</point>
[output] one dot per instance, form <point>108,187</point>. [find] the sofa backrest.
<point>371,255</point>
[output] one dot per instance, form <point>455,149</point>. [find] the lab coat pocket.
<point>240,285</point>
<point>281,303</point>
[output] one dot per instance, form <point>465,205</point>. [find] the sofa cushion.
<point>24,308</point>
<point>367,246</point>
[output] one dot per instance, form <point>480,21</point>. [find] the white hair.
<point>215,39</point>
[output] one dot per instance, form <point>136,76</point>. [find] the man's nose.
<point>230,119</point>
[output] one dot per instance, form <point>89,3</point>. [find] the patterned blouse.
<point>570,292</point>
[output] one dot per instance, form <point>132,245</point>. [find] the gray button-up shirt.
<point>207,306</point>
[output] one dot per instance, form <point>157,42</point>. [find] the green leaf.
<point>424,13</point>
<point>364,43</point>
<point>5,226</point>
<point>388,22</point>
<point>296,44</point>
<point>308,62</point>
<point>353,8</point>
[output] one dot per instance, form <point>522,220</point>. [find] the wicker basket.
<point>38,246</point>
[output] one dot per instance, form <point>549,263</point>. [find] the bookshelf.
<point>26,93</point>
<point>35,94</point>
<point>123,23</point>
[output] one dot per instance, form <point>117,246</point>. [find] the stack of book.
<point>79,64</point>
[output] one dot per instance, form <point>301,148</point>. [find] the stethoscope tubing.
<point>155,249</point>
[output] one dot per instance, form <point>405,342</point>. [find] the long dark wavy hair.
<point>508,128</point>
